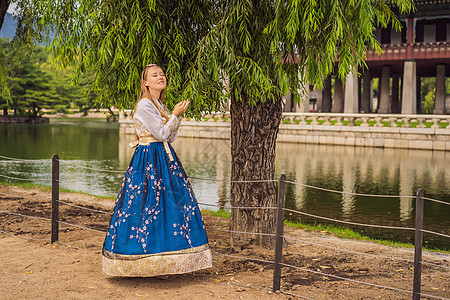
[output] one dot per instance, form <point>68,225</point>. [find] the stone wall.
<point>310,131</point>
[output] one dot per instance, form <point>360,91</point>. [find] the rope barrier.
<point>296,295</point>
<point>258,260</point>
<point>23,237</point>
<point>346,222</point>
<point>243,232</point>
<point>79,226</point>
<point>350,193</point>
<point>17,214</point>
<point>251,233</point>
<point>249,181</point>
<point>22,197</point>
<point>363,253</point>
<point>345,250</point>
<point>436,233</point>
<point>95,210</point>
<point>237,207</point>
<point>434,297</point>
<point>234,181</point>
<point>347,279</point>
<point>246,258</point>
<point>21,159</point>
<point>239,181</point>
<point>89,168</point>
<point>265,288</point>
<point>72,246</point>
<point>435,265</point>
<point>434,200</point>
<point>23,179</point>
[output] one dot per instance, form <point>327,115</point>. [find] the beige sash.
<point>145,138</point>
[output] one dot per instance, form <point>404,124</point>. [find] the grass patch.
<point>338,231</point>
<point>28,185</point>
<point>217,213</point>
<point>347,233</point>
<point>46,188</point>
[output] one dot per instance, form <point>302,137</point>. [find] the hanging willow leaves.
<point>251,50</point>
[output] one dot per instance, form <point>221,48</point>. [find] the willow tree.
<point>254,50</point>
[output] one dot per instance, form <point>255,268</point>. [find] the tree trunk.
<point>254,132</point>
<point>4,4</point>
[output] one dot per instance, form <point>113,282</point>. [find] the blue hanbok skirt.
<point>156,228</point>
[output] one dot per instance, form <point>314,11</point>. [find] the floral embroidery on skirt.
<point>156,227</point>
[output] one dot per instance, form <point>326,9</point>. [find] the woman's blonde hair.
<point>145,92</point>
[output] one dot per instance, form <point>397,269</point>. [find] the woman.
<point>156,228</point>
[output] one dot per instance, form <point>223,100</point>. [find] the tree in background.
<point>428,94</point>
<point>71,95</point>
<point>34,83</point>
<point>30,88</point>
<point>253,50</point>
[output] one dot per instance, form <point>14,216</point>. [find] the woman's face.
<point>156,80</point>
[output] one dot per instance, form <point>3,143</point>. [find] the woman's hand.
<point>180,108</point>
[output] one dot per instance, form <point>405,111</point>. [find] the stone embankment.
<point>428,132</point>
<point>28,120</point>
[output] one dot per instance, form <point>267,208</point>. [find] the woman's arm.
<point>149,116</point>
<point>174,133</point>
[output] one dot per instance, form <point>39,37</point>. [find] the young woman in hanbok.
<point>156,228</point>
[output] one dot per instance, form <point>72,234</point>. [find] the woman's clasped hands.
<point>180,108</point>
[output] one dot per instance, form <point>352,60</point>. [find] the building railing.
<point>368,120</point>
<point>422,50</point>
<point>338,119</point>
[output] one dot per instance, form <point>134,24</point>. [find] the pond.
<point>97,144</point>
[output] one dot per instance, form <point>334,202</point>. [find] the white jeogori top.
<point>148,120</point>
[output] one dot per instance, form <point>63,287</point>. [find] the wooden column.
<point>384,90</point>
<point>338,99</point>
<point>326,100</point>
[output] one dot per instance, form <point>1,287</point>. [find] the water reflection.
<point>349,169</point>
<point>369,171</point>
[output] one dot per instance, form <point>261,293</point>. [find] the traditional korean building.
<point>421,49</point>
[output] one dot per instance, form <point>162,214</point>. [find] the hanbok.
<point>156,228</point>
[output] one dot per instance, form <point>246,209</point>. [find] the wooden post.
<point>55,198</point>
<point>279,233</point>
<point>418,245</point>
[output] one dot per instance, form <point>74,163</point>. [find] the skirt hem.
<point>157,265</point>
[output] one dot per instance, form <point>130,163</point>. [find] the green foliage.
<point>428,94</point>
<point>119,38</point>
<point>30,87</point>
<point>32,83</point>
<point>447,85</point>
<point>253,50</point>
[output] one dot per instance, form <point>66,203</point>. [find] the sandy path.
<point>37,269</point>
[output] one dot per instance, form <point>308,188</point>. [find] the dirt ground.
<point>37,269</point>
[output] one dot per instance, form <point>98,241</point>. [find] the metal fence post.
<point>279,233</point>
<point>418,239</point>
<point>55,198</point>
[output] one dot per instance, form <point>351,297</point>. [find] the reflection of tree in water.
<point>223,174</point>
<point>207,158</point>
<point>317,201</point>
<point>290,199</point>
<point>372,171</point>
